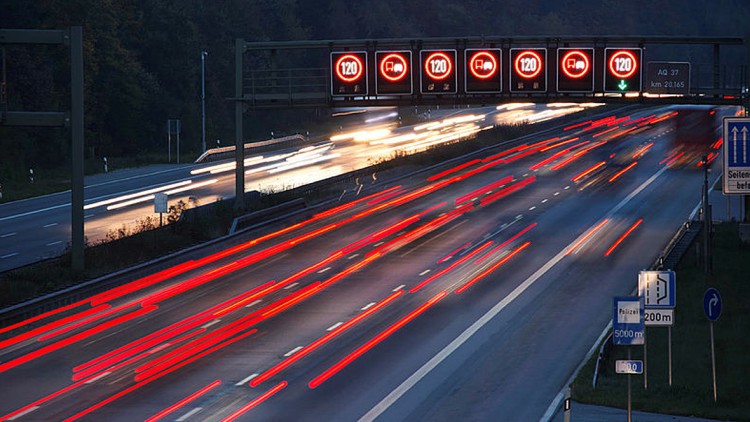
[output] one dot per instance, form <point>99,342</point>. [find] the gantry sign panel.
<point>470,71</point>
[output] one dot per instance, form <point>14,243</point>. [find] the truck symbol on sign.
<point>575,64</point>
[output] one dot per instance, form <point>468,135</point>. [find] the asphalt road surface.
<point>466,294</point>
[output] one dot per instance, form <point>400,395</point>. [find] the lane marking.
<point>10,255</point>
<point>324,270</point>
<point>368,306</point>
<point>8,235</point>
<point>448,350</point>
<point>189,414</point>
<point>88,215</point>
<point>251,304</point>
<point>46,226</point>
<point>216,321</point>
<point>24,413</point>
<point>293,351</point>
<point>556,193</point>
<point>353,256</point>
<point>334,326</point>
<point>399,288</point>
<point>291,285</point>
<point>532,208</point>
<point>566,187</point>
<point>55,243</point>
<point>247,379</point>
<point>377,244</point>
<point>25,214</point>
<point>425,272</point>
<point>102,375</point>
<point>544,200</point>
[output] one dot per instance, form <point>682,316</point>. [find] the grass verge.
<point>691,393</point>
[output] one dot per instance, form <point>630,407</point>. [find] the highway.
<point>470,293</point>
<point>39,228</point>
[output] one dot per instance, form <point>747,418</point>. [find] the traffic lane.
<point>664,236</point>
<point>557,337</point>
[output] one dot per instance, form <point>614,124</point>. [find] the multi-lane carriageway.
<point>471,293</point>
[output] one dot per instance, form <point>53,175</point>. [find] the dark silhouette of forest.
<point>142,57</point>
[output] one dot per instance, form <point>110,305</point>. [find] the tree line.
<point>142,57</point>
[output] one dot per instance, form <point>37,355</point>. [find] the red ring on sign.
<point>486,55</point>
<point>448,67</point>
<point>612,62</point>
<point>399,58</point>
<point>578,54</point>
<point>360,68</point>
<point>536,56</point>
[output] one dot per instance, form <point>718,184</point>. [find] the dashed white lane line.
<point>293,351</point>
<point>544,200</point>
<point>88,215</point>
<point>10,255</point>
<point>378,244</point>
<point>399,287</point>
<point>189,414</point>
<point>46,226</point>
<point>8,235</point>
<point>424,272</point>
<point>291,285</point>
<point>216,321</point>
<point>54,243</point>
<point>557,193</point>
<point>24,413</point>
<point>102,375</point>
<point>567,187</point>
<point>251,304</point>
<point>324,270</point>
<point>334,326</point>
<point>247,379</point>
<point>353,256</point>
<point>368,306</point>
<point>532,208</point>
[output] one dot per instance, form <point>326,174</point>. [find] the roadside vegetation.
<point>691,393</point>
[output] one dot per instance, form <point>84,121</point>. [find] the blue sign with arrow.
<point>712,304</point>
<point>736,177</point>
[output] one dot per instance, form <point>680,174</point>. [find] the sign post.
<point>628,329</point>
<point>712,309</point>
<point>160,205</point>
<point>659,291</point>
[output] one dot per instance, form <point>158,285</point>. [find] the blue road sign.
<point>737,143</point>
<point>658,288</point>
<point>712,304</point>
<point>627,321</point>
<point>736,155</point>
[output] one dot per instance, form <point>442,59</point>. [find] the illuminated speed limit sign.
<point>622,69</point>
<point>349,73</point>
<point>528,69</point>
<point>438,71</point>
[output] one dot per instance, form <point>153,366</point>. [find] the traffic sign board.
<point>712,304</point>
<point>668,78</point>
<point>658,288</point>
<point>622,69</point>
<point>483,70</point>
<point>528,70</point>
<point>658,317</point>
<point>438,71</point>
<point>349,73</point>
<point>736,155</point>
<point>575,70</point>
<point>627,321</point>
<point>629,367</point>
<point>393,73</point>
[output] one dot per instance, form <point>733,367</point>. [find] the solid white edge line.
<point>189,414</point>
<point>552,409</point>
<point>425,369</point>
<point>247,379</point>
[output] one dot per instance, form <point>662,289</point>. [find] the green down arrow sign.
<point>622,85</point>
